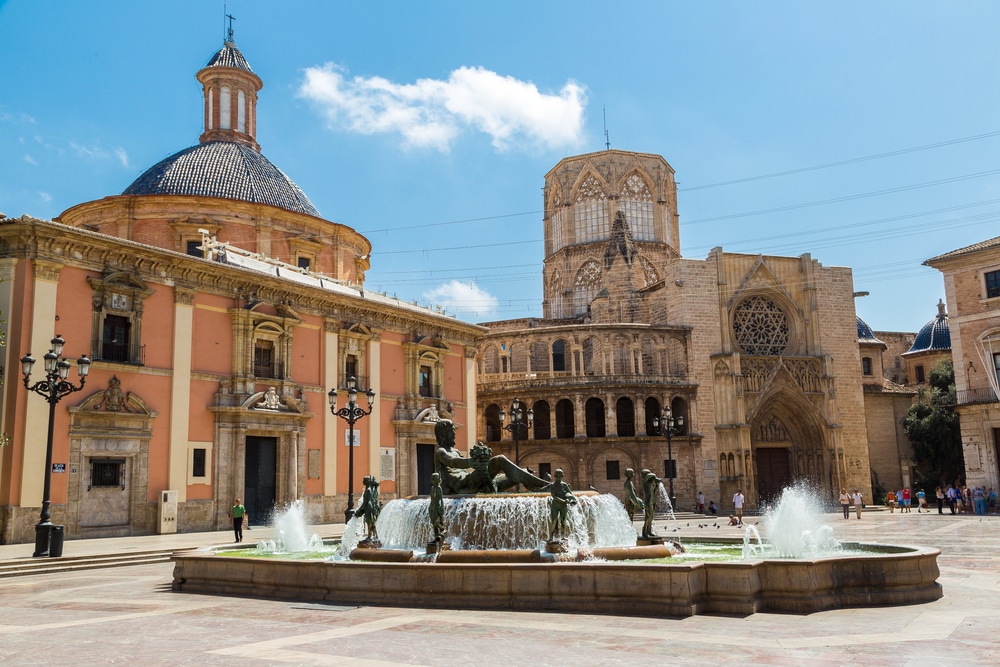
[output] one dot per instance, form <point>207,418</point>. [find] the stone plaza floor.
<point>129,615</point>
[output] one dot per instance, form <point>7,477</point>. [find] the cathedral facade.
<point>758,355</point>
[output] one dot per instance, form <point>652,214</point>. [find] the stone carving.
<point>760,327</point>
<point>270,401</point>
<point>805,372</point>
<point>114,397</point>
<point>771,430</point>
<point>428,415</point>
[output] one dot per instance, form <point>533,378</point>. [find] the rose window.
<point>760,327</point>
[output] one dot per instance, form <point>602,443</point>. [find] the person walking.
<point>921,501</point>
<point>890,500</point>
<point>738,501</point>
<point>939,494</point>
<point>845,502</point>
<point>906,500</point>
<point>858,502</point>
<point>238,513</point>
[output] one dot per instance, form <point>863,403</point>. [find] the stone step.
<point>30,566</point>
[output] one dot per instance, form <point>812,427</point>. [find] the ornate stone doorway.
<point>788,447</point>
<point>774,471</point>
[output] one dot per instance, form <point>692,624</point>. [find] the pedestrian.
<point>979,498</point>
<point>921,501</point>
<point>239,513</point>
<point>712,509</point>
<point>890,500</point>
<point>845,503</point>
<point>991,500</point>
<point>701,502</point>
<point>939,494</point>
<point>949,493</point>
<point>738,501</point>
<point>906,500</point>
<point>858,502</point>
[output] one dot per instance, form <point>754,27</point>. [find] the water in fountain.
<point>794,526</point>
<point>663,500</point>
<point>352,535</point>
<point>505,522</point>
<point>752,545</point>
<point>292,529</point>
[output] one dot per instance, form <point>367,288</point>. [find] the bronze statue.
<point>632,501</point>
<point>650,484</point>
<point>562,498</point>
<point>481,472</point>
<point>370,507</point>
<point>436,508</point>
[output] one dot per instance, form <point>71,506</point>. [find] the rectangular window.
<point>425,381</point>
<point>351,366</point>
<point>669,469</point>
<point>996,365</point>
<point>107,474</point>
<point>198,462</point>
<point>545,470</point>
<point>866,365</point>
<point>992,284</point>
<point>263,359</point>
<point>304,263</point>
<point>612,469</point>
<point>919,370</point>
<point>194,249</point>
<point>115,339</point>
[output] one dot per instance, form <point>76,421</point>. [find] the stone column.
<point>180,391</point>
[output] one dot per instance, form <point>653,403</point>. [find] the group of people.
<point>959,499</point>
<point>701,508</point>
<point>855,500</point>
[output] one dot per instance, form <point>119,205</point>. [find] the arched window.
<point>586,286</point>
<point>491,360</point>
<point>564,419</point>
<point>224,108</point>
<point>621,359</point>
<point>591,211</point>
<point>518,358</point>
<point>595,418</point>
<point>241,111</point>
<point>542,423</point>
<point>679,408</point>
<point>650,364</point>
<point>652,411</point>
<point>557,216</point>
<point>493,430</point>
<point>637,204</point>
<point>625,411</point>
<point>559,356</point>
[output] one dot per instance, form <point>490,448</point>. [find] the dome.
<point>226,170</point>
<point>229,56</point>
<point>866,335</point>
<point>933,336</point>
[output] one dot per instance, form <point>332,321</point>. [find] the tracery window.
<point>760,327</point>
<point>649,274</point>
<point>557,214</point>
<point>587,285</point>
<point>637,205</point>
<point>591,211</point>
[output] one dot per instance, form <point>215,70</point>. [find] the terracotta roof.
<point>969,249</point>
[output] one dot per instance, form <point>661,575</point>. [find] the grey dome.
<point>226,170</point>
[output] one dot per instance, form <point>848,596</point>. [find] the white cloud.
<point>30,160</point>
<point>432,113</point>
<point>100,153</point>
<point>458,297</point>
<point>44,196</point>
<point>122,156</point>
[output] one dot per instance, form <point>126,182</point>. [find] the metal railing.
<point>975,396</point>
<point>131,353</point>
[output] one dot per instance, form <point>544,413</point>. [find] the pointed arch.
<point>591,221</point>
<point>636,202</point>
<point>586,286</point>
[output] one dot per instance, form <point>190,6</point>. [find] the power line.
<point>841,163</point>
<point>450,222</point>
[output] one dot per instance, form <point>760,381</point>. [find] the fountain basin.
<point>881,575</point>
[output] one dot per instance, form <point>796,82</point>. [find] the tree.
<point>932,426</point>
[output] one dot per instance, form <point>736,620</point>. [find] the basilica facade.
<point>224,317</point>
<point>758,355</point>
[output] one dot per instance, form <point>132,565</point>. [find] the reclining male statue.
<point>481,472</point>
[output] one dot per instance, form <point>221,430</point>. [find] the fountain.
<point>501,554</point>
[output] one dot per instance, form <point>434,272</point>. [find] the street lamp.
<point>518,420</point>
<point>670,426</point>
<point>351,414</point>
<point>52,389</point>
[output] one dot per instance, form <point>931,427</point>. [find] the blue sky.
<point>429,126</point>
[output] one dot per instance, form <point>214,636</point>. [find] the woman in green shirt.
<point>238,512</point>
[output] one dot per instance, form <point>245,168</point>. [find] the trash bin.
<point>56,541</point>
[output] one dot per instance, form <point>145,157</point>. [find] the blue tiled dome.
<point>865,333</point>
<point>223,169</point>
<point>935,335</point>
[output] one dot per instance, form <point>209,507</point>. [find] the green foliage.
<point>932,426</point>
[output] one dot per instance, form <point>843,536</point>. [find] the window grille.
<point>107,474</point>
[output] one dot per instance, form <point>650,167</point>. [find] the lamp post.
<point>670,426</point>
<point>352,413</point>
<point>52,389</point>
<point>518,419</point>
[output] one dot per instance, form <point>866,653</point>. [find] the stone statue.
<point>632,501</point>
<point>481,472</point>
<point>271,401</point>
<point>370,508</point>
<point>650,484</point>
<point>562,498</point>
<point>436,508</point>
